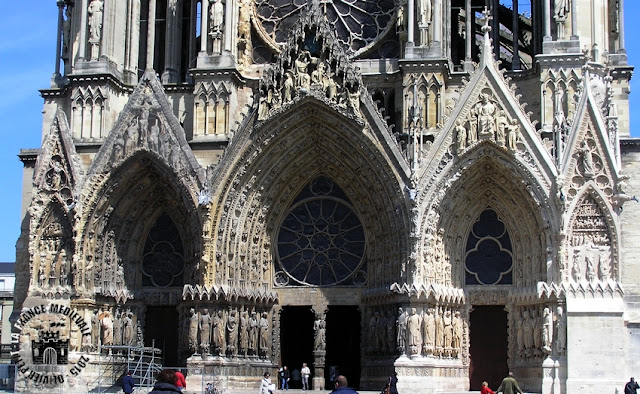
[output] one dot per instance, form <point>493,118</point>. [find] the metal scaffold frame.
<point>143,362</point>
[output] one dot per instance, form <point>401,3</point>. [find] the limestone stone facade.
<point>444,189</point>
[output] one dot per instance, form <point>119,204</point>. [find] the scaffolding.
<point>143,362</point>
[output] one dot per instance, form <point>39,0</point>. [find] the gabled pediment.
<point>148,125</point>
<point>589,153</point>
<point>57,168</point>
<point>489,112</point>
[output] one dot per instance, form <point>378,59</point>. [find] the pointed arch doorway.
<point>489,340</point>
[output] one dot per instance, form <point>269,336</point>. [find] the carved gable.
<point>147,124</point>
<point>311,63</point>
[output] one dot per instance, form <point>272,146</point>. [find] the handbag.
<point>272,387</point>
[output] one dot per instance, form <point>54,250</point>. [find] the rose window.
<point>162,260</point>
<point>321,240</point>
<point>358,24</point>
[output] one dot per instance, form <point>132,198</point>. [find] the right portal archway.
<point>488,350</point>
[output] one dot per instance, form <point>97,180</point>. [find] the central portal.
<point>161,331</point>
<point>488,335</point>
<point>296,337</point>
<point>343,345</point>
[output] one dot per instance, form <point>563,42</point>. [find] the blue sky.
<point>27,50</point>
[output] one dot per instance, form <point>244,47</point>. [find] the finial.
<point>487,17</point>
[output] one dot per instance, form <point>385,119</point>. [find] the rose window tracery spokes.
<point>488,259</point>
<point>358,24</point>
<point>163,261</point>
<point>321,241</point>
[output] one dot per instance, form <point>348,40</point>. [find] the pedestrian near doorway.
<point>306,372</point>
<point>509,385</point>
<point>284,378</point>
<point>485,389</point>
<point>631,387</point>
<point>392,383</point>
<point>128,383</point>
<point>342,386</point>
<point>165,383</point>
<point>266,387</point>
<point>181,382</point>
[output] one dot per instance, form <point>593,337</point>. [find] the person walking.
<point>181,382</point>
<point>392,383</point>
<point>306,372</point>
<point>128,383</point>
<point>509,385</point>
<point>342,386</point>
<point>631,387</point>
<point>284,378</point>
<point>165,383</point>
<point>265,384</point>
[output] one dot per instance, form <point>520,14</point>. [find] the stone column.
<point>495,29</point>
<point>192,38</point>
<point>468,65</point>
<point>621,47</point>
<point>319,352</point>
<point>204,29</point>
<point>411,12</point>
<point>151,34</point>
<point>574,20</point>
<point>229,23</point>
<point>515,29</point>
<point>546,20</point>
<point>133,43</point>
<point>437,21</point>
<point>82,47</point>
<point>55,79</point>
<point>173,42</point>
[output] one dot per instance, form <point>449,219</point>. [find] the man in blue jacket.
<point>342,387</point>
<point>128,384</point>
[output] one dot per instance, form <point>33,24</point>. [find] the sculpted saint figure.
<point>303,79</point>
<point>448,331</point>
<point>401,333</point>
<point>128,330</point>
<point>425,15</point>
<point>264,334</point>
<point>561,330</point>
<point>457,332</point>
<point>253,332</point>
<point>413,326</point>
<point>218,332</point>
<point>461,137</point>
<point>439,331</point>
<point>512,135</point>
<point>205,331</point>
<point>527,332</point>
<point>232,332</point>
<point>319,328</point>
<point>107,328</point>
<point>428,332</point>
<point>244,332</point>
<point>486,121</point>
<point>587,159</point>
<point>501,128</point>
<point>117,328</point>
<point>547,329</point>
<point>95,20</point>
<point>391,332</point>
<point>192,324</point>
<point>217,15</point>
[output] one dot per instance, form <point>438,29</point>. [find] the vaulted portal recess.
<point>343,345</point>
<point>296,337</point>
<point>488,335</point>
<point>161,331</point>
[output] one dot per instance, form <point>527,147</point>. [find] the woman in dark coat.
<point>392,382</point>
<point>165,383</point>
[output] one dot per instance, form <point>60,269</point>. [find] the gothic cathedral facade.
<point>433,188</point>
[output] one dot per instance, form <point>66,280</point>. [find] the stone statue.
<point>439,331</point>
<point>519,333</point>
<point>457,332</point>
<point>232,332</point>
<point>527,332</point>
<point>218,332</point>
<point>413,327</point>
<point>501,128</point>
<point>319,327</point>
<point>591,270</point>
<point>382,331</point>
<point>400,20</point>
<point>264,334</point>
<point>428,332</point>
<point>117,328</point>
<point>205,331</point>
<point>128,330</point>
<point>561,9</point>
<point>303,79</point>
<point>192,325</point>
<point>373,330</point>
<point>391,332</point>
<point>448,332</point>
<point>536,320</point>
<point>253,333</point>
<point>576,272</point>
<point>512,135</point>
<point>561,330</point>
<point>106,323</point>
<point>425,16</point>
<point>95,20</point>
<point>95,330</point>
<point>244,332</point>
<point>130,137</point>
<point>461,137</point>
<point>547,330</point>
<point>217,16</point>
<point>74,338</point>
<point>587,159</point>
<point>401,333</point>
<point>287,88</point>
<point>486,114</point>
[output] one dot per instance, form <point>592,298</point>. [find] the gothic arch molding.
<point>286,154</point>
<point>117,219</point>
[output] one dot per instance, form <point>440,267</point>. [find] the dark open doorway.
<point>161,331</point>
<point>488,335</point>
<point>296,339</point>
<point>343,345</point>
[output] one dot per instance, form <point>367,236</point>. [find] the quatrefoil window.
<point>163,260</point>
<point>321,240</point>
<point>489,259</point>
